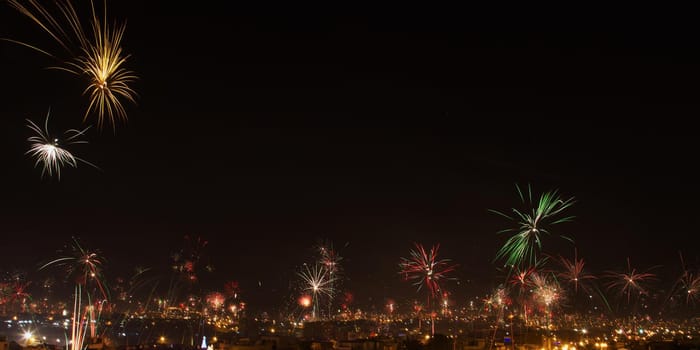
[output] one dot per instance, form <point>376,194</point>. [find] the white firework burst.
<point>49,151</point>
<point>318,281</point>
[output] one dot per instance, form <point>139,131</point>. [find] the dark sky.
<point>264,132</point>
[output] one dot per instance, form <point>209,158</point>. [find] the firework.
<point>98,56</point>
<point>5,293</point>
<point>688,283</point>
<point>546,290</point>
<point>144,280</point>
<point>546,293</point>
<point>446,304</point>
<point>348,300</point>
<point>573,272</point>
<point>232,289</point>
<point>186,267</point>
<point>326,252</point>
<point>188,260</point>
<point>521,278</point>
<point>93,313</point>
<point>215,300</point>
<point>426,270</point>
<point>305,301</point>
<point>140,279</point>
<point>317,281</point>
<point>232,292</point>
<point>330,260</point>
<point>629,282</point>
<point>84,266</point>
<point>19,292</point>
<point>15,293</point>
<point>526,242</point>
<point>496,301</point>
<point>49,152</point>
<point>390,306</point>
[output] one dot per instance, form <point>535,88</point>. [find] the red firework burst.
<point>573,272</point>
<point>426,270</point>
<point>232,289</point>
<point>630,281</point>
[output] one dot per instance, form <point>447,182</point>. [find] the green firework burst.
<point>523,246</point>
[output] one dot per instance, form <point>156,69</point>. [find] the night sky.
<point>265,132</point>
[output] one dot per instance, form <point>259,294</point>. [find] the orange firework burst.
<point>216,300</point>
<point>305,300</point>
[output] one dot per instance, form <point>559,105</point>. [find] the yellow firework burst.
<point>98,57</point>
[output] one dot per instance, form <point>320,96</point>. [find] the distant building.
<point>4,345</point>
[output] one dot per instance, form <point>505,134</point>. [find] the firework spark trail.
<point>83,265</point>
<point>94,317</point>
<point>98,58</point>
<point>319,282</point>
<point>143,279</point>
<point>526,242</point>
<point>521,278</point>
<point>140,279</point>
<point>330,259</point>
<point>497,299</point>
<point>426,270</point>
<point>49,152</point>
<point>78,328</point>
